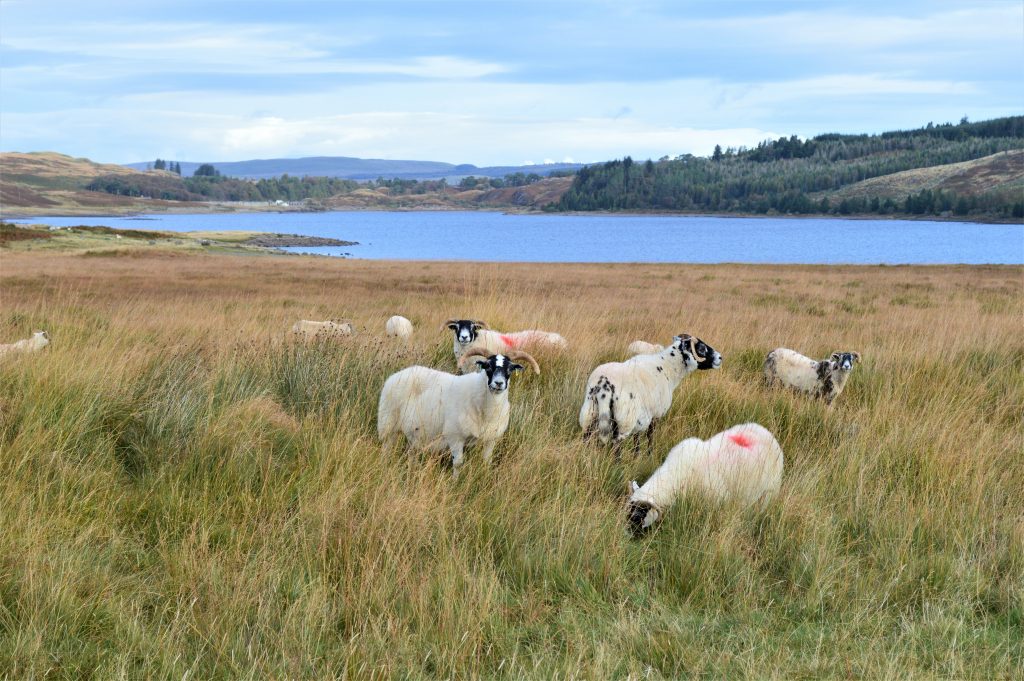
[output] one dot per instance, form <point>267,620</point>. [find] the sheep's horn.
<point>516,355</point>
<point>473,352</point>
<point>483,324</point>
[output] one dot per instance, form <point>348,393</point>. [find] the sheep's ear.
<point>481,363</point>
<point>453,326</point>
<point>633,487</point>
<point>836,356</point>
<point>515,367</point>
<point>856,356</point>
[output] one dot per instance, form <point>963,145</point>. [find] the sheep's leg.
<point>636,444</point>
<point>650,437</point>
<point>617,449</point>
<point>457,448</point>
<point>488,451</point>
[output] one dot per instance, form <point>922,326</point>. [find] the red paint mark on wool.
<point>509,341</point>
<point>742,440</point>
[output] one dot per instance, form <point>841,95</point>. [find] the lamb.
<point>308,330</point>
<point>742,464</point>
<point>398,326</point>
<point>471,333</point>
<point>433,408</point>
<point>625,398</point>
<point>38,341</point>
<point>825,379</point>
<point>639,347</point>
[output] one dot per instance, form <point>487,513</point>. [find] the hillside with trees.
<point>817,175</point>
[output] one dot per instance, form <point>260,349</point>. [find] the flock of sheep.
<point>435,409</point>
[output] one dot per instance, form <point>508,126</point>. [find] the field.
<point>187,493</point>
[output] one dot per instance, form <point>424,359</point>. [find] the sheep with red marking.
<point>473,333</point>
<point>741,465</point>
<point>825,378</point>
<point>38,341</point>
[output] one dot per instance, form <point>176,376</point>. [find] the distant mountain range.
<point>360,168</point>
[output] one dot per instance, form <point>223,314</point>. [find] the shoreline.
<point>211,209</point>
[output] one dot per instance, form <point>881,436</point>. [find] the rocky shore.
<point>282,240</point>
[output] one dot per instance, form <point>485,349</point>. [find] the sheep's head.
<point>499,368</point>
<point>465,329</point>
<point>696,353</point>
<point>42,334</point>
<point>640,515</point>
<point>844,361</point>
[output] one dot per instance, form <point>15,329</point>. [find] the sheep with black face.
<point>823,379</point>
<point>741,465</point>
<point>473,333</point>
<point>627,398</point>
<point>434,409</point>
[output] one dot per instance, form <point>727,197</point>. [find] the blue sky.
<point>489,82</point>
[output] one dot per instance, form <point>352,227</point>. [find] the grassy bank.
<point>186,492</point>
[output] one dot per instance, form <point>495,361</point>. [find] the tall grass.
<point>185,492</point>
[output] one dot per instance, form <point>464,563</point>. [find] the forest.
<point>793,176</point>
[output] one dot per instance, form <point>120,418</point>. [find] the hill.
<point>1000,174</point>
<point>827,174</point>
<point>51,182</point>
<point>350,168</point>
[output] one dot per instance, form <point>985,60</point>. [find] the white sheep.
<point>626,398</point>
<point>825,379</point>
<point>639,347</point>
<point>398,326</point>
<point>433,408</point>
<point>38,341</point>
<point>310,330</point>
<point>471,333</point>
<point>741,465</point>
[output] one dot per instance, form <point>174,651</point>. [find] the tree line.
<point>782,175</point>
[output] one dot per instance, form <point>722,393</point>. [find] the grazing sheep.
<point>639,347</point>
<point>433,408</point>
<point>471,333</point>
<point>38,341</point>
<point>398,326</point>
<point>307,330</point>
<point>742,464</point>
<point>825,379</point>
<point>626,398</point>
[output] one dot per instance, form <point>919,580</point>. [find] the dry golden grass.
<point>188,493</point>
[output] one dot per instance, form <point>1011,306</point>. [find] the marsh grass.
<point>186,492</point>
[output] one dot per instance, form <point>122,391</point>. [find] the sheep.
<point>38,341</point>
<point>308,330</point>
<point>433,408</point>
<point>472,333</point>
<point>639,347</point>
<point>825,379</point>
<point>624,398</point>
<point>398,326</point>
<point>742,464</point>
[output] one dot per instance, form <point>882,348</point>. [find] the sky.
<point>490,83</point>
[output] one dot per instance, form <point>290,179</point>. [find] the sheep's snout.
<point>640,517</point>
<point>716,360</point>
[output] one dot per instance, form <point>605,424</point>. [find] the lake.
<point>472,235</point>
